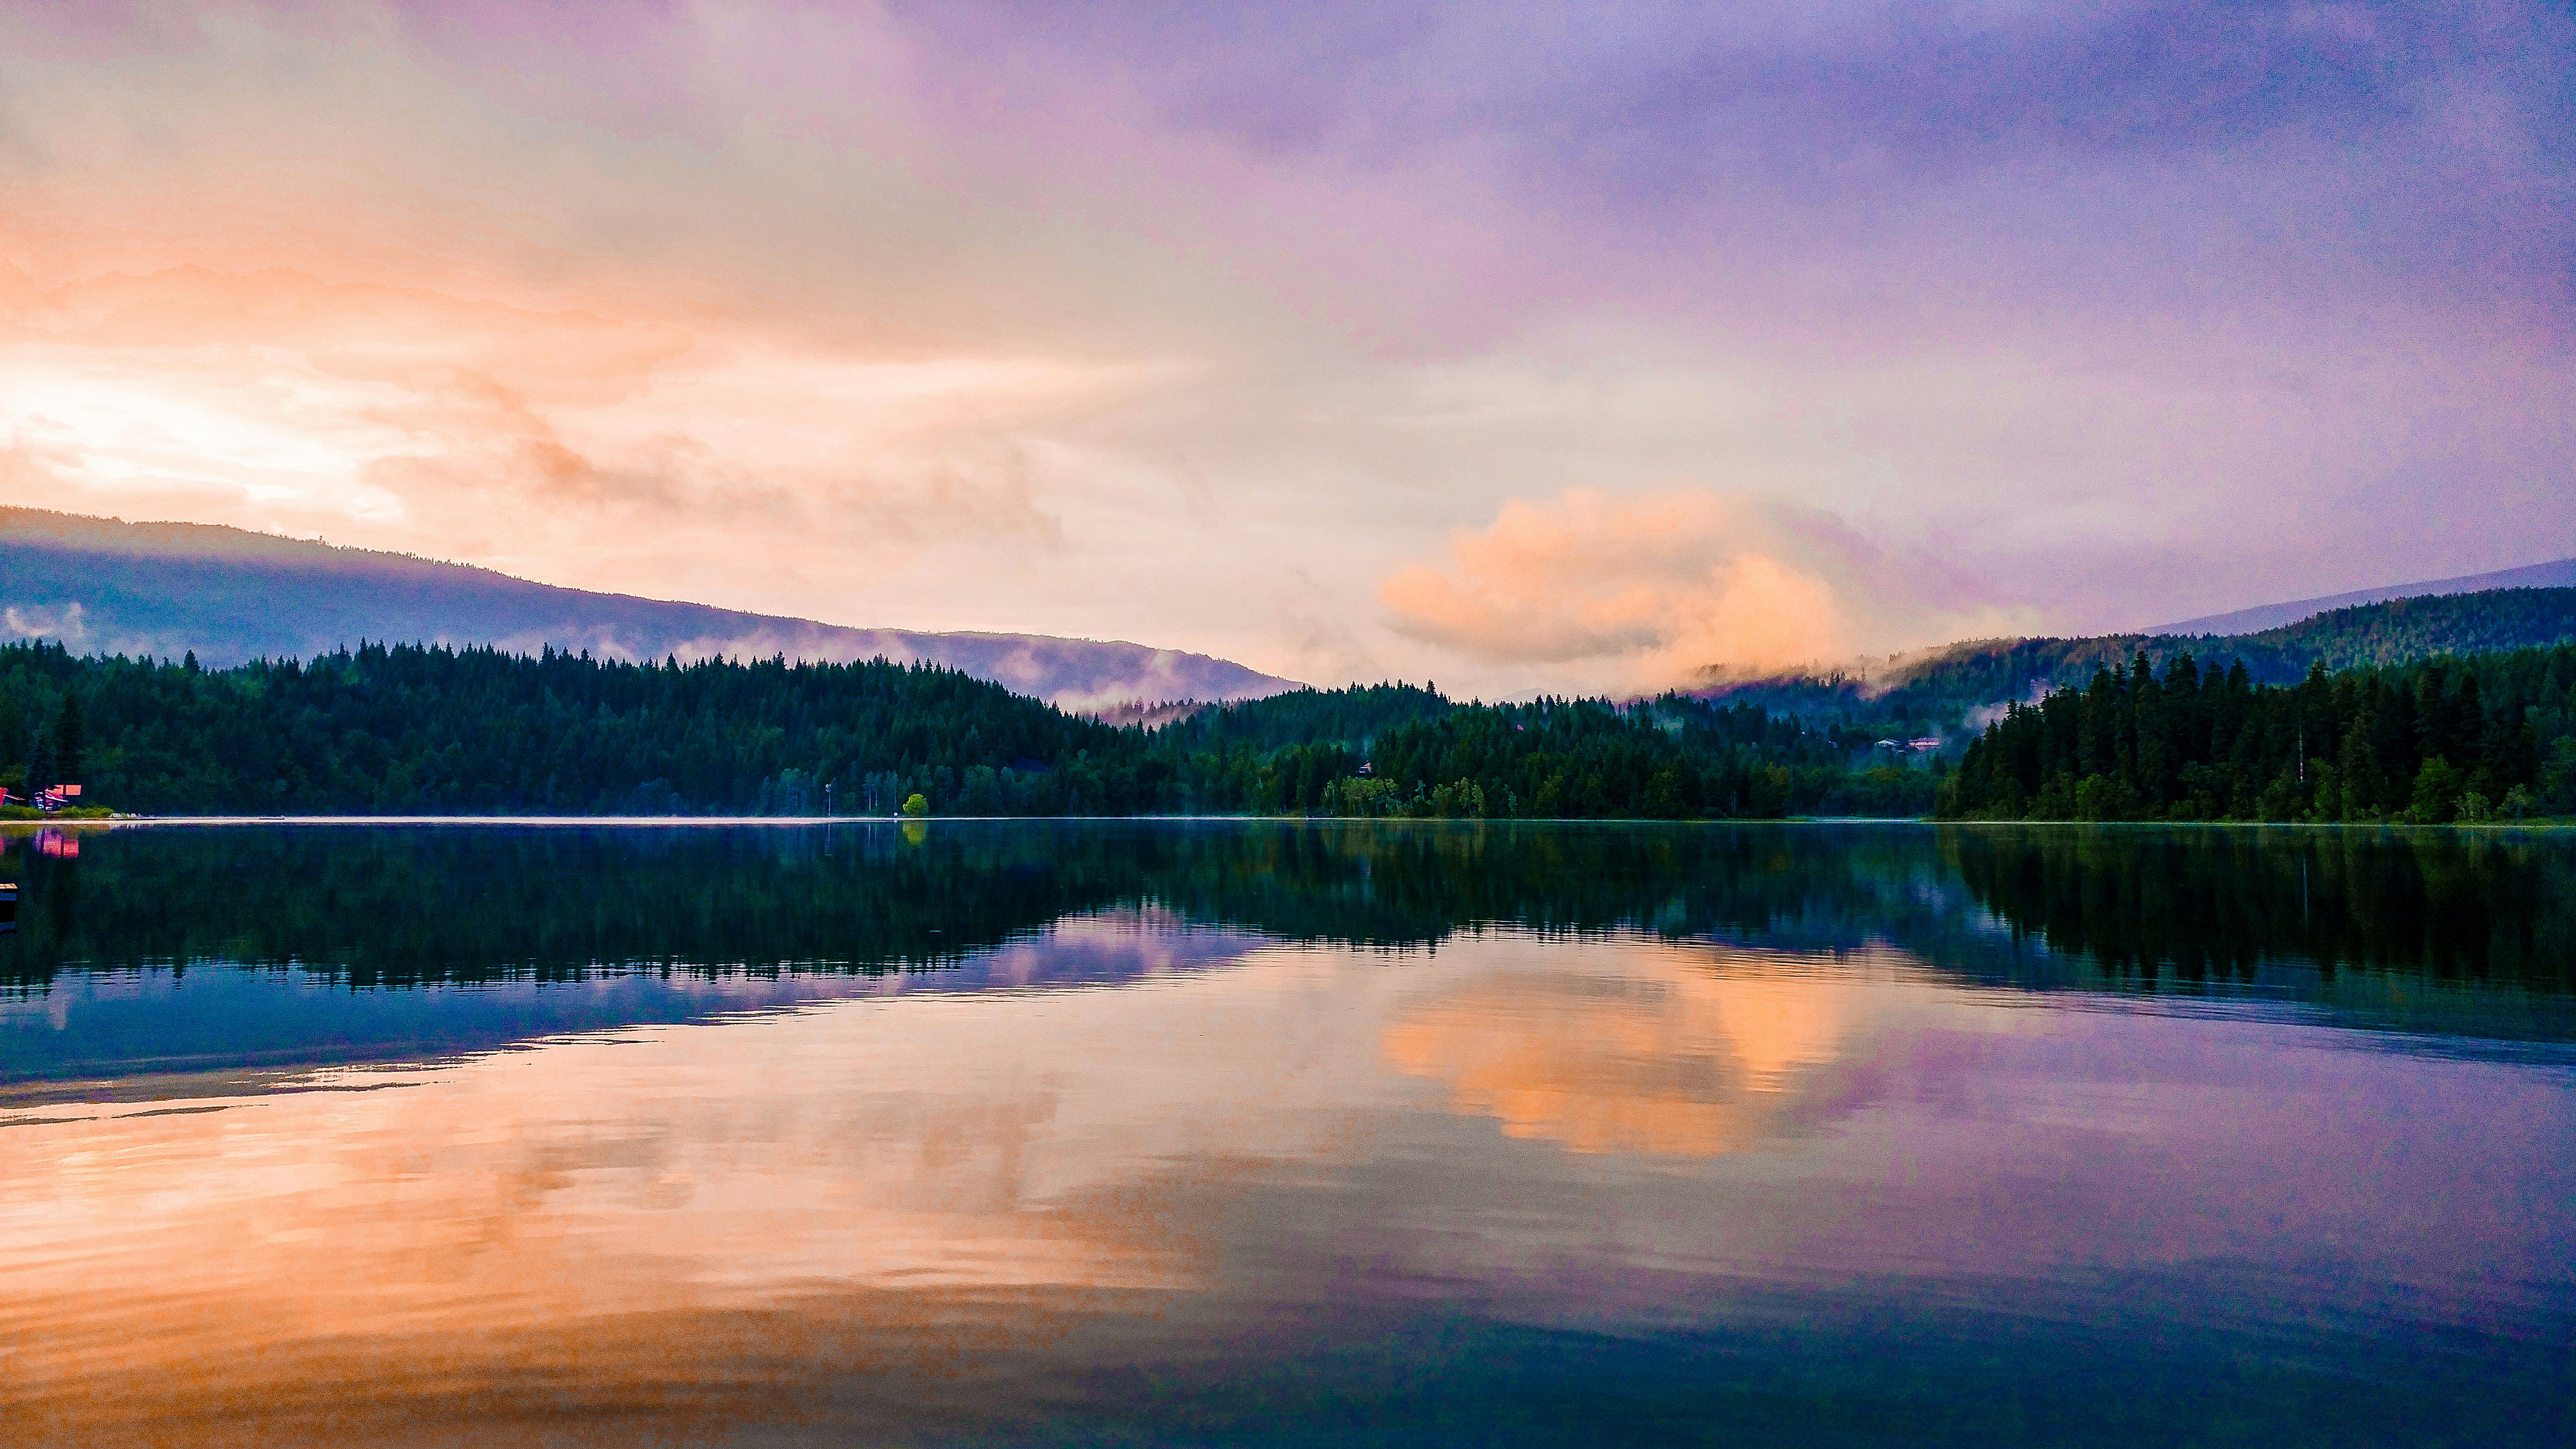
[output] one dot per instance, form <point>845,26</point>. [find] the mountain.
<point>2402,631</point>
<point>1945,689</point>
<point>102,585</point>
<point>2559,575</point>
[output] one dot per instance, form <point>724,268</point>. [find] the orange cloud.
<point>512,432</point>
<point>1649,590</point>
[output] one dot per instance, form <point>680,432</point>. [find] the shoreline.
<point>2553,825</point>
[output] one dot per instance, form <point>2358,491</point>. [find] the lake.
<point>1205,1132</point>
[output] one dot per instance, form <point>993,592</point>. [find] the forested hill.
<point>1944,690</point>
<point>416,729</point>
<point>1354,717</point>
<point>2430,742</point>
<point>2401,631</point>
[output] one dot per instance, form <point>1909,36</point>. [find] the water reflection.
<point>964,1213</point>
<point>396,905</point>
<point>130,956</point>
<point>1684,1054</point>
<point>2193,904</point>
<point>1204,1134</point>
<point>924,1160</point>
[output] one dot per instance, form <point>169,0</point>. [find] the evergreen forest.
<point>432,730</point>
<point>2432,742</point>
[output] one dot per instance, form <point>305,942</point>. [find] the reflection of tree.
<point>2218,902</point>
<point>391,904</point>
<point>1415,884</point>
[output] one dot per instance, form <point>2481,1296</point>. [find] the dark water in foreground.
<point>1204,1133</point>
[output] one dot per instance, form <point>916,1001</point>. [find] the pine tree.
<point>67,738</point>
<point>13,734</point>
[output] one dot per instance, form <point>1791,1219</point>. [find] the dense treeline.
<point>1673,757</point>
<point>2402,631</point>
<point>430,730</point>
<point>439,731</point>
<point>1355,717</point>
<point>2441,740</point>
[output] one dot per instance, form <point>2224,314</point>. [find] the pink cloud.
<point>1647,591</point>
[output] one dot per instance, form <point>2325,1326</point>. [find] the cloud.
<point>1650,590</point>
<point>65,625</point>
<point>277,399</point>
<point>1196,324</point>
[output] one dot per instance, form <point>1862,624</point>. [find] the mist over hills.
<point>102,585</point>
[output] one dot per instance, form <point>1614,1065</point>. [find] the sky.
<point>1514,346</point>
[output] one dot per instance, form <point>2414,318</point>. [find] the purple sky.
<point>1518,346</point>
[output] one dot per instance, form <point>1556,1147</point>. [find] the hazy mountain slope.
<point>2559,575</point>
<point>102,585</point>
<point>1950,686</point>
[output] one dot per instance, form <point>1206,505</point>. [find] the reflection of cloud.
<point>921,1157</point>
<point>1659,587</point>
<point>1675,1060</point>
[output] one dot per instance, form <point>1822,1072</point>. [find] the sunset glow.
<point>1251,333</point>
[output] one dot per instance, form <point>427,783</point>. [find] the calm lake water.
<point>1264,1133</point>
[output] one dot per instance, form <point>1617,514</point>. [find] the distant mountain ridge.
<point>1945,689</point>
<point>102,585</point>
<point>2558,575</point>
